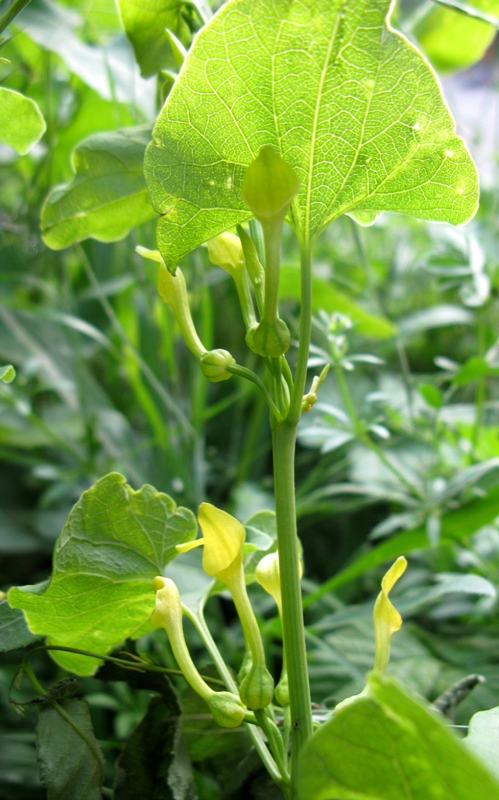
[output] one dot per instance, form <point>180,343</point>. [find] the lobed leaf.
<point>116,540</point>
<point>107,197</point>
<point>21,121</point>
<point>348,102</point>
<point>385,745</point>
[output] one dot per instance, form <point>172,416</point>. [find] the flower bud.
<point>269,185</point>
<point>226,251</point>
<point>387,619</point>
<point>268,576</point>
<point>257,688</point>
<point>227,709</point>
<point>269,338</point>
<point>282,690</point>
<point>214,365</point>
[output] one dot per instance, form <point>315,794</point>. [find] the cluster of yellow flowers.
<point>223,539</point>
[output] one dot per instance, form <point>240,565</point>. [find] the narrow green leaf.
<point>327,297</point>
<point>21,121</point>
<point>154,763</point>
<point>348,102</point>
<point>453,40</point>
<point>145,22</point>
<point>69,767</point>
<point>431,394</point>
<point>474,369</point>
<point>107,197</point>
<point>116,540</point>
<point>456,525</point>
<point>483,738</point>
<point>13,629</point>
<point>7,373</point>
<point>385,745</point>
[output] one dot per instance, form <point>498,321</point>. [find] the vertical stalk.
<point>283,446</point>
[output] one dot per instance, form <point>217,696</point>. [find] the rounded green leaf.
<point>116,540</point>
<point>21,121</point>
<point>451,39</point>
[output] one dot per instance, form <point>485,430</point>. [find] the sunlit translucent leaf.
<point>345,100</point>
<point>145,22</point>
<point>70,769</point>
<point>386,745</point>
<point>7,373</point>
<point>327,297</point>
<point>453,40</point>
<point>483,737</point>
<point>21,121</point>
<point>107,197</point>
<point>116,540</point>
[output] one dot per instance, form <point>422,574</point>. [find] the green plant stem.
<point>305,333</point>
<point>272,238</point>
<point>283,447</point>
<point>276,743</point>
<point>481,387</point>
<point>244,372</point>
<point>136,665</point>
<point>366,439</point>
<point>14,9</point>
<point>199,623</point>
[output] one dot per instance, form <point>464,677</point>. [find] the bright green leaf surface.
<point>7,373</point>
<point>453,40</point>
<point>144,22</point>
<point>385,745</point>
<point>21,121</point>
<point>69,768</point>
<point>107,197</point>
<point>483,738</point>
<point>327,297</point>
<point>114,543</point>
<point>343,98</point>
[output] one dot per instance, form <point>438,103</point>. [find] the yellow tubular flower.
<point>226,251</point>
<point>387,619</point>
<point>223,539</point>
<point>227,709</point>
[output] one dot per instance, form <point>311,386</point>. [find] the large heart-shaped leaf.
<point>385,745</point>
<point>345,99</point>
<point>114,543</point>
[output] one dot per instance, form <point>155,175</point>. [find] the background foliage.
<point>401,455</point>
